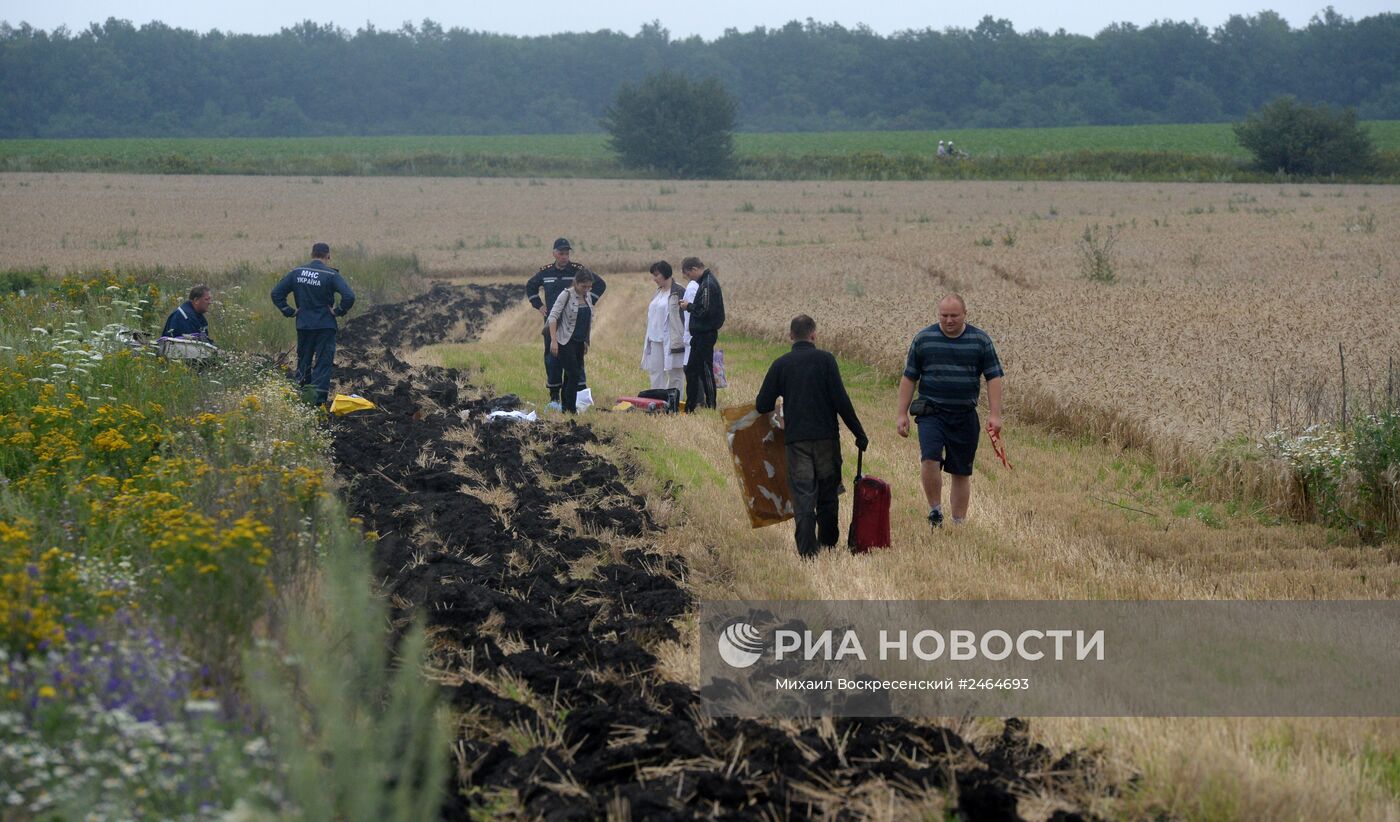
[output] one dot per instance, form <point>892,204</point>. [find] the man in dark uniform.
<point>315,285</point>
<point>809,381</point>
<point>554,279</point>
<point>188,320</point>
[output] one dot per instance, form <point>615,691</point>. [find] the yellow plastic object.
<point>349,403</point>
<point>622,406</point>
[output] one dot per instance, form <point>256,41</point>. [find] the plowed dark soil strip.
<point>542,634</point>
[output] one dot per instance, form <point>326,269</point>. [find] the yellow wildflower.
<point>110,441</point>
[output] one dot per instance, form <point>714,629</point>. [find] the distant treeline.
<point>116,79</point>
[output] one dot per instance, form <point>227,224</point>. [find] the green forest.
<point>120,80</point>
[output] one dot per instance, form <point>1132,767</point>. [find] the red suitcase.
<point>870,512</point>
<point>645,403</point>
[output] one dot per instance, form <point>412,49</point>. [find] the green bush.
<point>1296,138</point>
<point>1376,444</point>
<point>1351,478</point>
<point>16,281</point>
<point>1097,261</point>
<point>673,125</point>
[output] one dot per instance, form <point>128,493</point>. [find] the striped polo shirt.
<point>950,371</point>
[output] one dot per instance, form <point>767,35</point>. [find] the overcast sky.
<point>707,18</point>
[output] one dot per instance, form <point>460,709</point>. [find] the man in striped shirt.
<point>947,363</point>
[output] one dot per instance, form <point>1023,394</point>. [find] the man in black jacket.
<point>706,318</point>
<point>314,286</point>
<point>809,382</point>
<point>554,279</point>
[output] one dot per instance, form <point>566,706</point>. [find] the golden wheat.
<point>1230,302</point>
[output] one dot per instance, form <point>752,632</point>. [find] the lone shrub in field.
<point>674,125</point>
<point>1297,138</point>
<point>1096,259</point>
<point>1351,477</point>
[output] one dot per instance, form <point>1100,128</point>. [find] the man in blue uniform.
<point>188,320</point>
<point>555,279</point>
<point>315,285</point>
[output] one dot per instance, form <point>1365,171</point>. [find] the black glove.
<point>289,312</point>
<point>862,442</point>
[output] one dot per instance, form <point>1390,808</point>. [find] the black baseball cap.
<point>320,250</point>
<point>562,244</point>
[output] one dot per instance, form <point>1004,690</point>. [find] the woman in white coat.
<point>663,350</point>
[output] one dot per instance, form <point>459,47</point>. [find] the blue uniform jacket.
<point>314,285</point>
<point>184,321</point>
<point>554,280</point>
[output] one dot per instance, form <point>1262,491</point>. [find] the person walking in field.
<point>706,318</point>
<point>663,348</point>
<point>314,286</point>
<point>809,382</point>
<point>946,364</point>
<point>569,323</point>
<point>555,279</point>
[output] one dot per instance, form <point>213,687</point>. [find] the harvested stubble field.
<point>1229,304</point>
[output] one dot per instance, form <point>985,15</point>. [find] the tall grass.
<point>156,521</point>
<point>1348,477</point>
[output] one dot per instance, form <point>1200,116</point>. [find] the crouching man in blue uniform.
<point>188,320</point>
<point>314,286</point>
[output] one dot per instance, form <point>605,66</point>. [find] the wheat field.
<point>1225,317</point>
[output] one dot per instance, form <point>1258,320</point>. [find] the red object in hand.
<point>997,446</point>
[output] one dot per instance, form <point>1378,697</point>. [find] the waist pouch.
<point>921,407</point>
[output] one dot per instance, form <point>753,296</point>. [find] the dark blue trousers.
<point>571,356</point>
<point>316,359</point>
<point>554,372</point>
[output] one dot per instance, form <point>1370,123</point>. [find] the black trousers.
<point>316,359</point>
<point>554,372</point>
<point>700,371</point>
<point>814,480</point>
<point>571,356</point>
